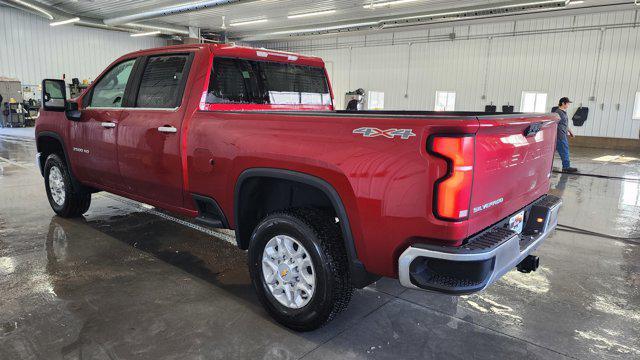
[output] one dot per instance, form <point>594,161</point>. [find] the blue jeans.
<point>562,145</point>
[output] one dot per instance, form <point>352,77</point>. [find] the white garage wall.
<point>31,50</point>
<point>560,56</point>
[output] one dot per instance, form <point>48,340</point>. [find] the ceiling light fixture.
<point>248,22</point>
<point>150,33</point>
<point>64,22</point>
<point>375,5</point>
<point>166,29</point>
<point>576,2</point>
<point>315,13</point>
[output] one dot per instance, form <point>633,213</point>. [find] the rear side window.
<point>232,81</point>
<point>162,80</point>
<point>294,84</point>
<point>260,82</point>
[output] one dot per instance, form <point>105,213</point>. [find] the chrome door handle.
<point>108,125</point>
<point>167,129</point>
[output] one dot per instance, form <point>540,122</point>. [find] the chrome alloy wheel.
<point>287,270</point>
<point>56,185</point>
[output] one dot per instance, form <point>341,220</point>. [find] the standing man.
<point>1,112</point>
<point>562,143</point>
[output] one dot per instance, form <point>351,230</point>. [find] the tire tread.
<point>328,238</point>
<point>78,201</point>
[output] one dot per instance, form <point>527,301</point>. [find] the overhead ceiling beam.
<point>171,10</point>
<point>51,13</point>
<point>29,7</point>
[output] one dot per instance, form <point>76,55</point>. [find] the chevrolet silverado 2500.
<point>323,200</point>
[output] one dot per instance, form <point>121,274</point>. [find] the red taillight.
<point>452,192</point>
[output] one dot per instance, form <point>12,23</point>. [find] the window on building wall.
<point>375,100</point>
<point>445,101</point>
<point>636,107</point>
<point>533,102</point>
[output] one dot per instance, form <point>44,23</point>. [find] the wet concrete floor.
<point>129,282</point>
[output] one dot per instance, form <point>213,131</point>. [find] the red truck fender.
<point>243,225</point>
<point>49,142</point>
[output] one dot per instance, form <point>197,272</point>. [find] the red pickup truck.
<point>324,200</point>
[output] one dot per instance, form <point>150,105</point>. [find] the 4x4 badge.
<point>404,134</point>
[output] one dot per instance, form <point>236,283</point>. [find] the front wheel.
<point>299,268</point>
<point>63,198</point>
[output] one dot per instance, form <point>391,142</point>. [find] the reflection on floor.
<point>127,282</point>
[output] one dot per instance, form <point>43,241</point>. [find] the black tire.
<point>76,201</point>
<point>321,237</point>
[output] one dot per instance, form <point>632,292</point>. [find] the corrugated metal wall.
<point>561,56</point>
<point>31,50</point>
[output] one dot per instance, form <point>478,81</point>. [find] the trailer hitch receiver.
<point>529,264</point>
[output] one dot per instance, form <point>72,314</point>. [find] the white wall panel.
<point>559,56</point>
<point>31,50</point>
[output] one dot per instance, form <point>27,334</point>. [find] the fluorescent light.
<point>575,2</point>
<point>374,5</point>
<point>156,27</point>
<point>146,33</point>
<point>63,22</point>
<point>248,22</point>
<point>316,13</point>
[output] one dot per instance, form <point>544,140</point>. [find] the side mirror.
<point>54,94</point>
<point>71,111</point>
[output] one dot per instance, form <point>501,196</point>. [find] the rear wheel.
<point>298,267</point>
<point>63,198</point>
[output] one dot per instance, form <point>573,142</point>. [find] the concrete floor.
<point>129,282</point>
<point>26,132</point>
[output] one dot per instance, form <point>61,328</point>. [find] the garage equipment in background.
<point>507,109</point>
<point>13,115</point>
<point>354,100</point>
<point>31,110</point>
<point>580,116</point>
<point>490,108</point>
<point>76,87</point>
<point>10,88</point>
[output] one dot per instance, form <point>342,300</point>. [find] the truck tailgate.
<point>513,160</point>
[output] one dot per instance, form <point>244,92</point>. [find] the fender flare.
<point>41,162</point>
<point>359,276</point>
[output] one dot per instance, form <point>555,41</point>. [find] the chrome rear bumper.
<point>483,259</point>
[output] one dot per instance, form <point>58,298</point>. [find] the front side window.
<point>160,86</point>
<point>109,91</point>
<point>240,81</point>
<point>636,107</point>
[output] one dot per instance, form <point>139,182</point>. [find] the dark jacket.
<point>563,125</point>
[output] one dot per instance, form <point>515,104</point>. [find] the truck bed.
<point>386,182</point>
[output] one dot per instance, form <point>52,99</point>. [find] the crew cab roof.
<point>235,51</point>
